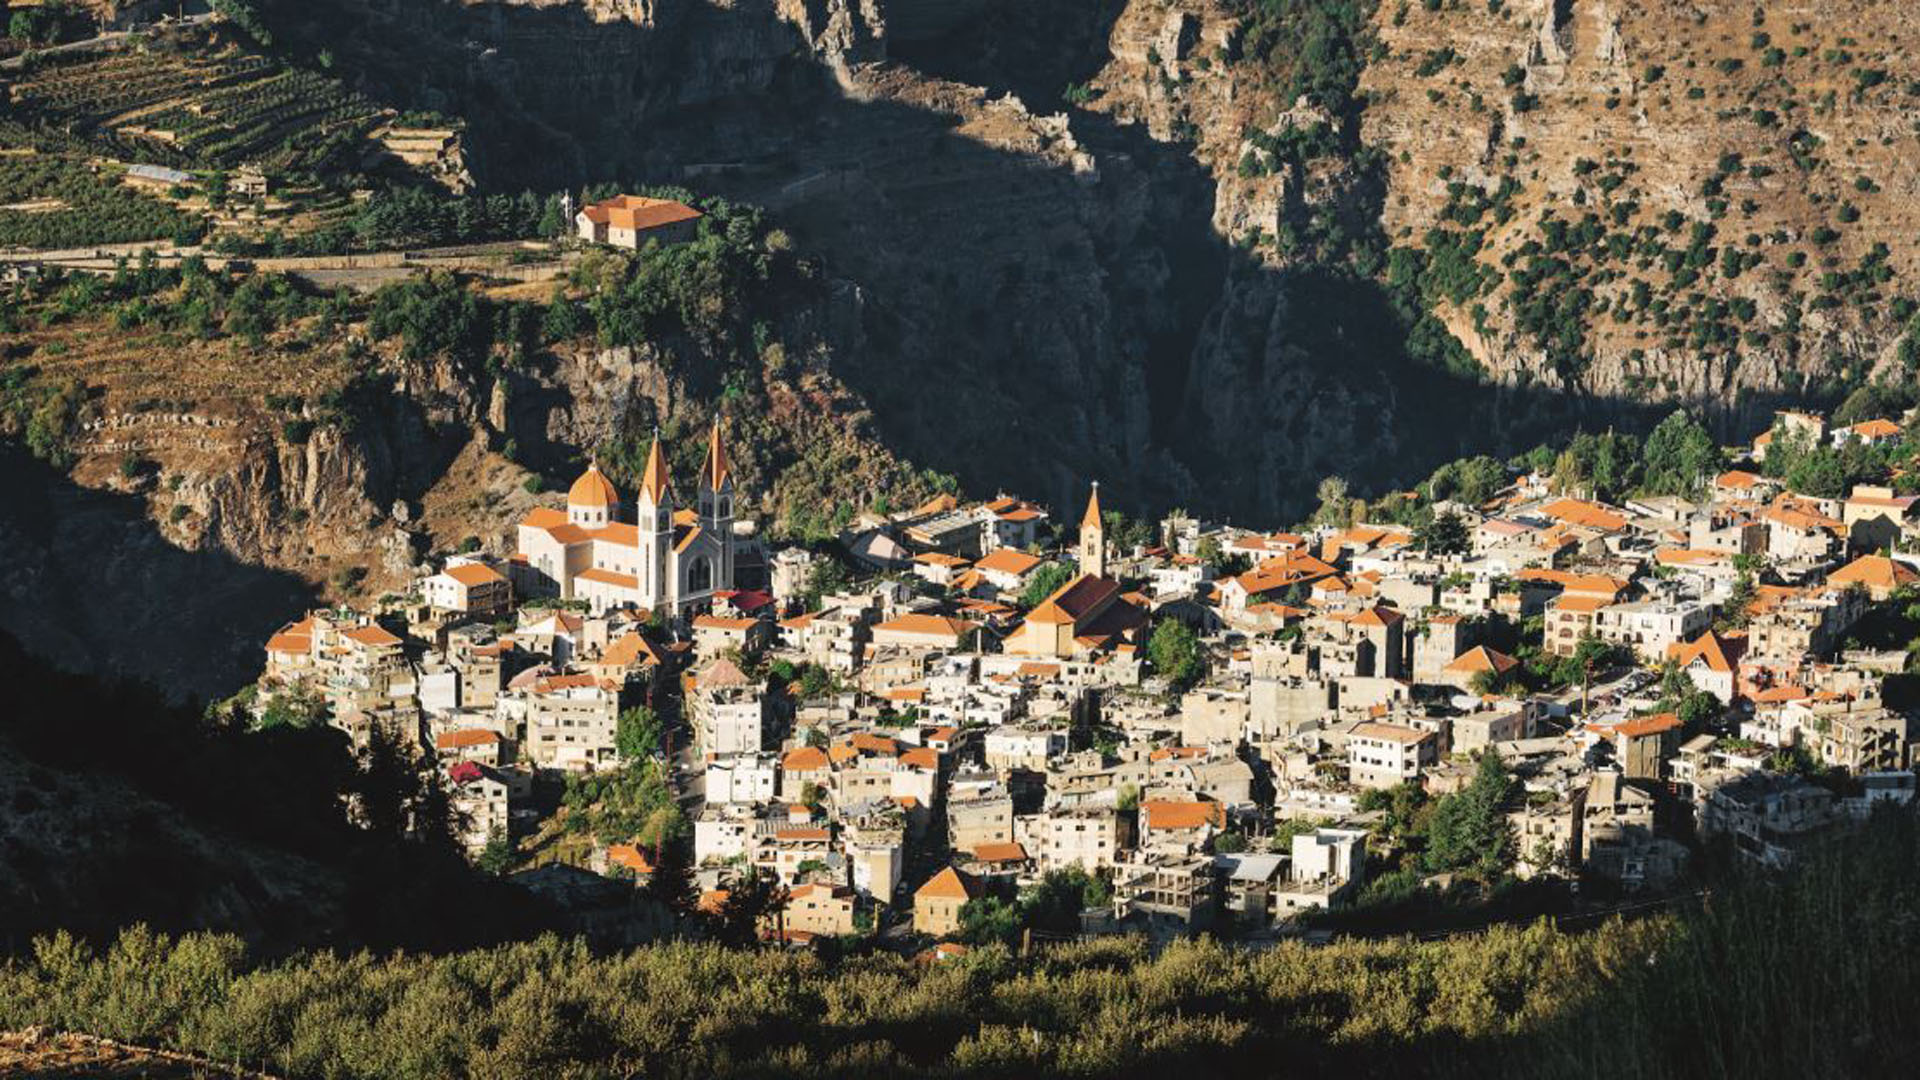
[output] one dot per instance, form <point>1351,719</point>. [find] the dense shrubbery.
<point>409,217</point>
<point>1812,976</point>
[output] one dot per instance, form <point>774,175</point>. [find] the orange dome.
<point>592,489</point>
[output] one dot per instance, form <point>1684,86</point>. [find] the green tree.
<point>826,577</point>
<point>1679,695</point>
<point>1044,580</point>
<point>1336,507</point>
<point>498,857</point>
<point>637,733</point>
<point>1469,830</point>
<point>1175,651</point>
<point>1679,456</point>
<point>1209,552</point>
<point>988,920</point>
<point>1444,533</point>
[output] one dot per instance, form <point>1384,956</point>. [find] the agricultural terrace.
<point>189,108</point>
<point>49,201</point>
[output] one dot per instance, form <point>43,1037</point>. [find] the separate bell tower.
<point>1093,537</point>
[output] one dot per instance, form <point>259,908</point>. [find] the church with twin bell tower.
<point>655,554</point>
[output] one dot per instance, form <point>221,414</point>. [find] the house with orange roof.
<point>1712,661</point>
<point>468,587</point>
<point>1800,529</point>
<point>1464,668</point>
<point>1008,569</point>
<point>1877,574</point>
<point>631,654</point>
<point>1868,433</point>
<point>1273,579</point>
<point>631,858</point>
<point>1015,523</point>
<point>921,633</point>
<point>1643,744</point>
<point>1177,825</point>
<point>1743,485</point>
<point>938,567</point>
<point>480,745</point>
<point>634,221</point>
<point>1586,514</point>
<point>654,556</point>
<point>292,650</point>
<point>1004,862</point>
<point>802,766</point>
<point>717,633</point>
<point>937,904</point>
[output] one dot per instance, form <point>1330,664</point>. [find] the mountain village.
<point>1212,728</point>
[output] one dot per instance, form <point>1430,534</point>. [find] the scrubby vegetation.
<point>1810,976</point>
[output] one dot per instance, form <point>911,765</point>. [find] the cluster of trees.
<point>1045,579</point>
<point>814,681</point>
<point>1678,457</point>
<point>1051,905</point>
<point>1817,468</point>
<point>1465,832</point>
<point>93,208</point>
<point>635,803</point>
<point>408,217</point>
<point>40,412</point>
<point>1176,653</point>
<point>47,23</point>
<point>1694,992</point>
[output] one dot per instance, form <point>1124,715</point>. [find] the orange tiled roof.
<point>1654,724</point>
<point>371,636</point>
<point>1007,852</point>
<point>1588,514</point>
<point>1169,814</point>
<point>1481,658</point>
<point>464,737</point>
<point>639,212</point>
<point>949,884</point>
<point>804,759</point>
<point>1875,572</point>
<point>472,574</point>
<point>593,489</point>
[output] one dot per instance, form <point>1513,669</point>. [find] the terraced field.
<point>59,201</point>
<point>190,107</point>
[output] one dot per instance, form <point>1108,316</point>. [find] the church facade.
<point>654,555</point>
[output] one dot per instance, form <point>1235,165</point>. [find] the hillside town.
<point>961,713</point>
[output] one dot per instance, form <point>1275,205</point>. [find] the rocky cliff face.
<point>1783,131</point>
<point>217,490</point>
<point>1040,212</point>
<point>1205,252</point>
<point>1138,240</point>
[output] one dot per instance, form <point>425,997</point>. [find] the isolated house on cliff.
<point>629,221</point>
